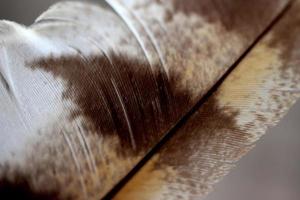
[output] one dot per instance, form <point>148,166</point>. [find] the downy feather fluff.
<point>89,89</point>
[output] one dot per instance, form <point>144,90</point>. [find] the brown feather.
<point>89,90</point>
<point>255,96</point>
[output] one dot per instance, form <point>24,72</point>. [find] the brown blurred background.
<point>269,172</point>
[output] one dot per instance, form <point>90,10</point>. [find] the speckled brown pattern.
<point>255,96</point>
<point>205,42</point>
<point>225,12</point>
<point>131,101</point>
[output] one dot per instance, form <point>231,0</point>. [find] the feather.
<point>255,96</point>
<point>88,90</point>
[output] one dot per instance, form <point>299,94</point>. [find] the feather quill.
<point>89,89</point>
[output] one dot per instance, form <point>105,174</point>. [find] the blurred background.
<point>271,171</point>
